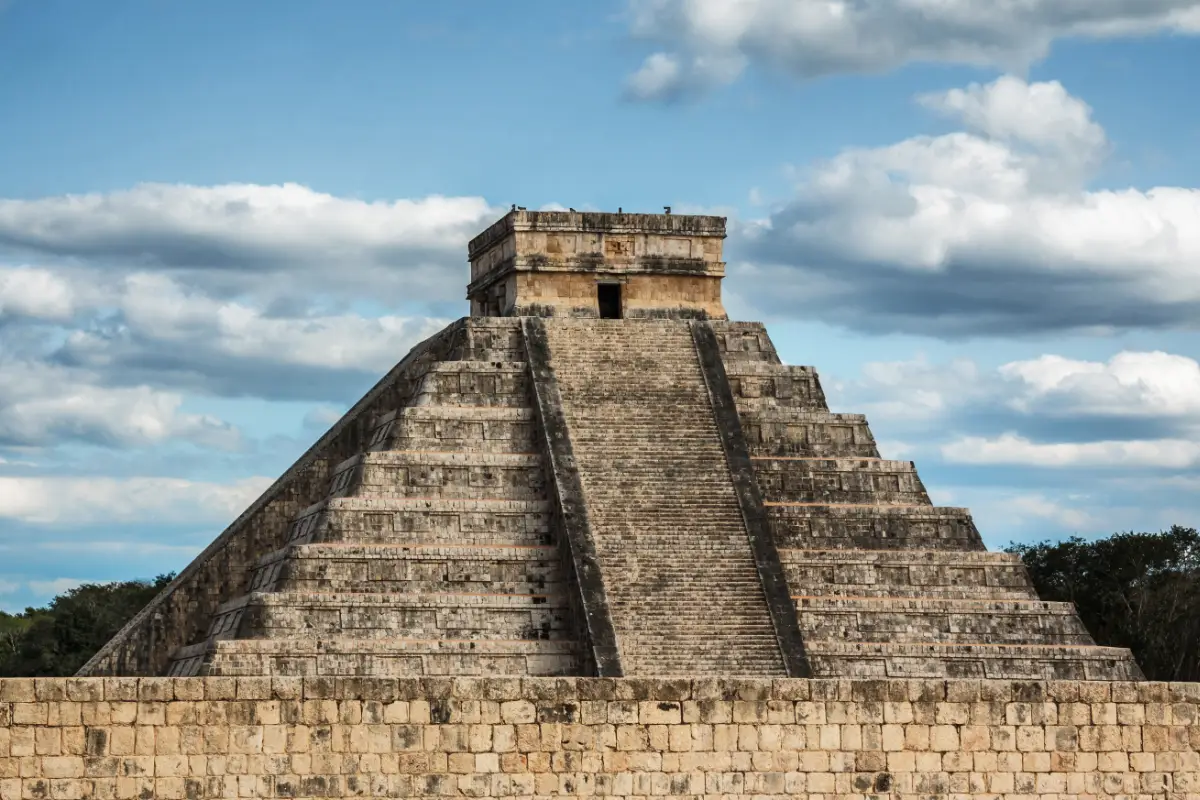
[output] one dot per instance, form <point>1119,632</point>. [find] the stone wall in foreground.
<point>292,737</point>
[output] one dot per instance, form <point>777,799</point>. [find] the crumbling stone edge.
<point>745,485</point>
<point>96,666</point>
<point>592,600</point>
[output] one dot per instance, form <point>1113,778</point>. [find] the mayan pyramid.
<point>596,473</point>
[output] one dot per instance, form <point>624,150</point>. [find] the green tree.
<point>56,640</point>
<point>1135,590</point>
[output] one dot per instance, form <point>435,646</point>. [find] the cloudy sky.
<point>221,221</point>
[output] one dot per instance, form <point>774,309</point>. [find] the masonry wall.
<point>291,737</point>
<point>571,294</point>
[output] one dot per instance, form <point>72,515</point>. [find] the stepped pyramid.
<point>596,473</point>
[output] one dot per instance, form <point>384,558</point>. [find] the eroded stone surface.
<point>203,738</point>
<point>479,515</point>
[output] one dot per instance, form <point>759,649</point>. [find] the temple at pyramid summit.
<point>597,473</point>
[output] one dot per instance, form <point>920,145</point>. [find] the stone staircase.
<point>433,553</point>
<point>885,583</point>
<point>682,585</point>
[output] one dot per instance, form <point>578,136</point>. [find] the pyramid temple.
<point>597,473</point>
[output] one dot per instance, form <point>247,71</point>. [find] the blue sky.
<point>221,221</point>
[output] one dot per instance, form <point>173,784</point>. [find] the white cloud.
<point>35,293</point>
<point>1009,109</point>
<point>1131,384</point>
<point>808,38</point>
<point>1139,384</point>
<point>202,226</point>
<point>8,587</point>
<point>984,232</point>
<point>664,77</point>
<point>42,404</point>
<point>1013,450</point>
<point>79,501</point>
<point>151,329</point>
<point>157,308</point>
<point>238,236</point>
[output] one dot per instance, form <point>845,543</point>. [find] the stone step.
<point>899,573</point>
<point>457,428</point>
<point>744,341</point>
<point>491,339</point>
<point>394,657</point>
<point>475,383</point>
<point>400,520</point>
<point>896,619</point>
<point>445,615</point>
<point>761,385</point>
<point>406,569</point>
<point>664,516</point>
<point>843,659</point>
<point>872,527</point>
<point>793,432</point>
<point>508,476</point>
<point>840,481</point>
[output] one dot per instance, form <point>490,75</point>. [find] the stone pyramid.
<point>596,473</point>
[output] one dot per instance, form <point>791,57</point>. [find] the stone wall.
<point>534,263</point>
<point>572,294</point>
<point>293,737</point>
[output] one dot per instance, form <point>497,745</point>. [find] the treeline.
<point>60,637</point>
<point>1135,590</point>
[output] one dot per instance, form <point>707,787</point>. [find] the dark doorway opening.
<point>608,295</point>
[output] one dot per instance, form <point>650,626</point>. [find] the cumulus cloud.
<point>990,230</point>
<point>43,404</point>
<point>235,290</point>
<point>1137,410</point>
<point>238,235</point>
<point>810,38</point>
<point>1011,449</point>
<point>80,501</point>
<point>1131,385</point>
<point>1140,384</point>
<point>37,293</point>
<point>152,329</point>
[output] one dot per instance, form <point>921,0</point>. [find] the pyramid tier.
<point>792,432</point>
<point>741,342</point>
<point>843,481</point>
<point>456,474</point>
<point>395,657</point>
<point>475,384</point>
<point>760,385</point>
<point>457,428</point>
<point>408,520</point>
<point>907,573</point>
<point>440,615</point>
<point>412,569</point>
<point>941,620</point>
<point>823,526</point>
<point>843,659</point>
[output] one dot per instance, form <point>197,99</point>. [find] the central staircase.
<point>682,585</point>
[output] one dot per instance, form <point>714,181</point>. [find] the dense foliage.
<point>1135,590</point>
<point>59,638</point>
